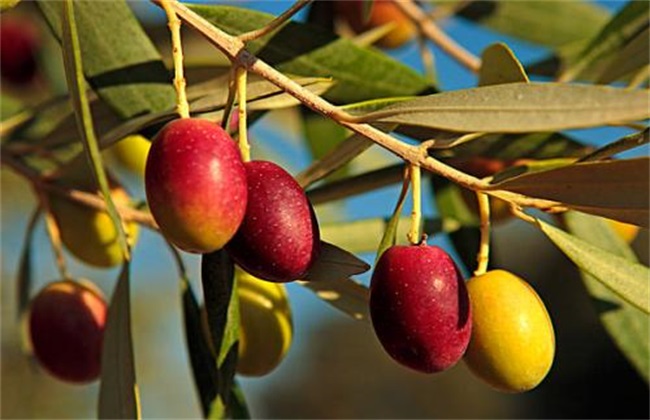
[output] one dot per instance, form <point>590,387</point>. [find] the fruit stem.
<point>244,146</point>
<point>54,234</point>
<point>414,236</point>
<point>174,24</point>
<point>483,255</point>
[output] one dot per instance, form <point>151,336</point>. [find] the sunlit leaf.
<point>624,143</point>
<point>617,189</point>
<point>344,294</point>
<point>8,4</point>
<point>519,108</point>
<point>629,280</point>
<point>499,65</point>
<point>628,326</point>
<point>120,61</point>
<point>118,391</point>
<point>307,50</point>
<point>323,135</point>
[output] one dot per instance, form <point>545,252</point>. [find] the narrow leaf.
<point>76,85</point>
<point>624,143</point>
<point>627,279</point>
<point>632,57</point>
<point>627,22</point>
<point>628,326</point>
<point>121,63</point>
<point>334,263</point>
<point>499,65</point>
<point>204,365</point>
<point>24,278</point>
<point>118,391</point>
<point>323,135</point>
<point>616,189</point>
<point>344,294</point>
<point>307,50</point>
<point>222,306</point>
<point>389,238</point>
<point>519,108</point>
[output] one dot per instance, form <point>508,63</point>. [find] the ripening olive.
<point>266,325</point>
<point>512,344</point>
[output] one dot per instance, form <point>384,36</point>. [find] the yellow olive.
<point>132,152</point>
<point>626,231</point>
<point>513,344</point>
<point>266,325</point>
<point>89,234</point>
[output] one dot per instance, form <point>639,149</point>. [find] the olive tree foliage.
<point>354,97</point>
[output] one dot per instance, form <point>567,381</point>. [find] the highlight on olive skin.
<point>66,324</point>
<point>513,343</point>
<point>419,307</point>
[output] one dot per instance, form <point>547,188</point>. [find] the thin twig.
<point>54,233</point>
<point>275,23</point>
<point>438,36</point>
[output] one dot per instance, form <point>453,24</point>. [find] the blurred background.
<point>335,367</point>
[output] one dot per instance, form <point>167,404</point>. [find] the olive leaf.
<point>118,391</point>
<point>617,189</point>
<point>120,62</point>
<point>222,307</point>
<point>24,277</point>
<point>389,238</point>
<point>499,65</point>
<point>518,108</point>
<point>308,50</point>
<point>627,279</point>
<point>628,326</point>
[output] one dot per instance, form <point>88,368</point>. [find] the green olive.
<point>513,344</point>
<point>266,325</point>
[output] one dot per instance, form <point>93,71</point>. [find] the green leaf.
<point>76,85</point>
<point>519,108</point>
<point>617,189</point>
<point>118,390</point>
<point>222,306</point>
<point>120,61</point>
<point>334,263</point>
<point>548,23</point>
<point>633,56</point>
<point>628,326</point>
<point>628,22</point>
<point>307,50</point>
<point>204,366</point>
<point>24,277</point>
<point>389,238</point>
<point>627,279</point>
<point>499,65</point>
